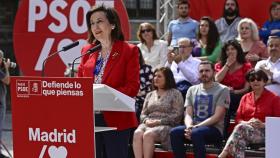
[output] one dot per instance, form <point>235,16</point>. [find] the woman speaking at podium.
<point>116,64</point>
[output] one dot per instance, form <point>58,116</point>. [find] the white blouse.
<point>157,57</point>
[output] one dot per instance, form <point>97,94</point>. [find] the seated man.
<point>271,66</point>
<point>183,66</point>
<point>206,105</point>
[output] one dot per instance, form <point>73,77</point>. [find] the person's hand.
<point>252,57</point>
<point>178,58</point>
<point>256,123</point>
<point>170,57</point>
<point>152,122</point>
<point>266,70</point>
<point>7,63</point>
<point>230,60</point>
<point>231,89</point>
<point>188,132</point>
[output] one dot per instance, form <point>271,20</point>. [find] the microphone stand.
<point>44,62</point>
<point>92,50</point>
<point>74,61</point>
<point>65,48</point>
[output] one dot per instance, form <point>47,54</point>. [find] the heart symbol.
<point>69,55</point>
<point>60,152</point>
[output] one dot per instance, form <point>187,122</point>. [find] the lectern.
<point>109,99</point>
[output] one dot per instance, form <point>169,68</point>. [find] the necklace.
<point>160,94</point>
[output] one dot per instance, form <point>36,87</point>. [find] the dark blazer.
<point>121,73</point>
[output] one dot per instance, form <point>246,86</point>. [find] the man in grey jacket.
<point>227,25</point>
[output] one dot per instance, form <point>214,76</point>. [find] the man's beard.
<point>183,15</point>
<point>229,12</point>
<point>206,79</point>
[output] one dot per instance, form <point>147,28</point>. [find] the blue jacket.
<point>265,31</point>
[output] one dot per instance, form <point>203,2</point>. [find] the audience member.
<point>5,80</point>
<point>163,109</point>
<point>183,66</point>
<point>271,66</point>
<point>184,26</point>
<point>146,77</point>
<point>206,106</point>
<point>254,107</point>
<point>231,71</point>
<point>154,50</point>
<point>248,36</point>
<point>208,41</point>
<point>272,26</point>
<point>227,25</point>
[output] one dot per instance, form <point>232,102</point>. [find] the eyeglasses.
<point>146,30</point>
<point>252,79</point>
<point>185,46</point>
<point>275,9</point>
<point>245,28</point>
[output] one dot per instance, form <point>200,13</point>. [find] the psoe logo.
<point>24,88</point>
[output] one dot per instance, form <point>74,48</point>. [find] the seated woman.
<point>162,110</point>
<point>154,50</point>
<point>248,36</point>
<point>231,71</point>
<point>208,45</point>
<point>254,107</point>
<point>272,26</point>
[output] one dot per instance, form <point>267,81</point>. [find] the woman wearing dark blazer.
<point>116,65</point>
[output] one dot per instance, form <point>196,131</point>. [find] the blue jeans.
<point>200,136</point>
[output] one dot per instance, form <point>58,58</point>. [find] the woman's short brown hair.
<point>148,26</point>
<point>272,6</point>
<point>113,18</point>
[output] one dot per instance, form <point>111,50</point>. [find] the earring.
<point>113,27</point>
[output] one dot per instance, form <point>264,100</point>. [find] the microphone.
<point>69,46</point>
<point>65,48</point>
<point>90,51</point>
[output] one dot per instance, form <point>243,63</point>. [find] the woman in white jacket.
<point>154,50</point>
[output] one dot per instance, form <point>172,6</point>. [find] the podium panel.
<point>272,143</point>
<point>52,117</point>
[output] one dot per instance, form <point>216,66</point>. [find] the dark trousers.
<point>234,103</point>
<point>110,144</point>
<point>183,87</point>
<point>230,114</point>
<point>200,136</point>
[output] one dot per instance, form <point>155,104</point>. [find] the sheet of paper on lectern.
<point>106,98</point>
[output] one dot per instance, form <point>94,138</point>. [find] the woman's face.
<point>275,12</point>
<point>204,27</point>
<point>159,80</point>
<point>256,83</point>
<point>100,26</point>
<point>231,51</point>
<point>146,33</point>
<point>245,31</point>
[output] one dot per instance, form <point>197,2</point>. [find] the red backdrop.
<point>258,10</point>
